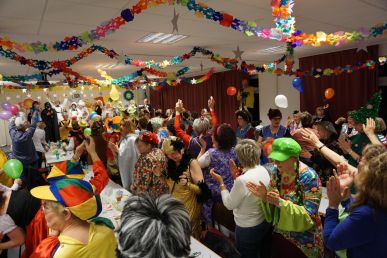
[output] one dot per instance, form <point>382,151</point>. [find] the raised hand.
<point>216,177</point>
<point>369,127</point>
<point>309,136</point>
<point>211,104</point>
<point>258,190</point>
<point>233,169</point>
<point>344,144</point>
<point>273,197</point>
<point>334,192</point>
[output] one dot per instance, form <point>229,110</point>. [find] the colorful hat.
<point>149,137</point>
<point>65,169</point>
<point>83,123</point>
<point>75,194</point>
<point>284,148</point>
<point>370,110</point>
<point>114,123</point>
<point>171,144</point>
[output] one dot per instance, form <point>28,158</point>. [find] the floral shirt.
<point>298,221</point>
<point>144,180</point>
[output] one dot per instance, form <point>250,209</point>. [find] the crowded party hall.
<point>193,129</point>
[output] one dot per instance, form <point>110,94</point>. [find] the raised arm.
<point>179,132</point>
<point>211,107</point>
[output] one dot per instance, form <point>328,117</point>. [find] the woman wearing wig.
<point>291,203</point>
<point>185,180</point>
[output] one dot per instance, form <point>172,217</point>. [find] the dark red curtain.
<point>351,90</point>
<point>195,97</point>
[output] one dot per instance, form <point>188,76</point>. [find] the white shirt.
<point>7,224</point>
<point>245,205</point>
<point>39,138</point>
<point>205,160</point>
<point>127,158</point>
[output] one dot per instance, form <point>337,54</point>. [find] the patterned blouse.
<point>306,234</point>
<point>144,180</point>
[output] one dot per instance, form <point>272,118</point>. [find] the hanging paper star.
<point>178,81</point>
<point>193,81</point>
<point>174,21</point>
<point>24,90</point>
<point>361,46</point>
<point>238,53</point>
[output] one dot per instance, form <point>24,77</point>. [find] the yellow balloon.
<point>114,93</point>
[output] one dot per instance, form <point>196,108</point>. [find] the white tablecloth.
<point>51,157</point>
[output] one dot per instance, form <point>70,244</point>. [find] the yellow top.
<point>63,131</point>
<point>102,244</point>
<point>4,179</point>
<point>250,97</point>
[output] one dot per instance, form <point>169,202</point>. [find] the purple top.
<point>194,145</point>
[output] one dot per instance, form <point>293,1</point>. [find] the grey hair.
<point>201,125</point>
<point>154,227</point>
<point>248,153</point>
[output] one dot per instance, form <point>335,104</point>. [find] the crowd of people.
<point>180,166</point>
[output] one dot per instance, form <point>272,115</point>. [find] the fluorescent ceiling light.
<point>271,50</point>
<point>161,38</point>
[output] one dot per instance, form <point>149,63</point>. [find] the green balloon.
<point>87,132</point>
<point>13,168</point>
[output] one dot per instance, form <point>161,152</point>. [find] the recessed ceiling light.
<point>271,50</point>
<point>161,38</point>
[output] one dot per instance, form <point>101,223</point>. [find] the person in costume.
<point>39,139</point>
<point>149,171</point>
<point>71,207</point>
<point>185,181</point>
<point>126,151</point>
<point>354,145</point>
<point>221,157</point>
<point>35,107</point>
<point>201,126</point>
<point>64,127</point>
<point>291,203</point>
<point>74,112</point>
<point>363,231</point>
<point>251,227</point>
<point>294,122</point>
<point>244,130</point>
<point>83,112</point>
<point>112,135</point>
<point>50,118</point>
<point>154,227</point>
<point>59,108</point>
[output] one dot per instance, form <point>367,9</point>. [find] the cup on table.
<point>119,195</point>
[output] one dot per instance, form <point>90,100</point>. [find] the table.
<point>112,209</point>
<point>51,157</point>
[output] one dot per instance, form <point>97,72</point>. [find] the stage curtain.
<point>351,90</point>
<point>195,97</point>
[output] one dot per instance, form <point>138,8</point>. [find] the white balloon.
<point>281,101</point>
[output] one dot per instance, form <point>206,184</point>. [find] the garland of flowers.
<point>282,12</point>
<point>44,65</point>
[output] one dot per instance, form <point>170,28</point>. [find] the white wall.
<point>270,86</point>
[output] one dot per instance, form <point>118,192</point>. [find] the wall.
<point>271,85</point>
<point>4,135</point>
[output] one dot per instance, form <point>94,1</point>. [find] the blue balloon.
<point>298,84</point>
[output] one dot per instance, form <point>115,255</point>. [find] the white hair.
<point>20,122</point>
<point>248,153</point>
<point>201,125</point>
<point>154,227</point>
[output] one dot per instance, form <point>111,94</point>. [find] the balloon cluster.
<point>8,111</point>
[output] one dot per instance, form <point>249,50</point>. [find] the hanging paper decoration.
<point>128,95</point>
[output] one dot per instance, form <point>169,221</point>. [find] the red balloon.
<point>14,110</point>
<point>231,91</point>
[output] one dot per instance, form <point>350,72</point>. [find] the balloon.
<point>6,105</point>
<point>5,115</point>
<point>27,103</point>
<point>114,94</point>
<point>281,101</point>
<point>14,110</point>
<point>92,114</point>
<point>87,132</point>
<point>13,168</point>
<point>329,93</point>
<point>298,84</point>
<point>231,91</point>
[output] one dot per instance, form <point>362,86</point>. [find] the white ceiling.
<point>52,20</point>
